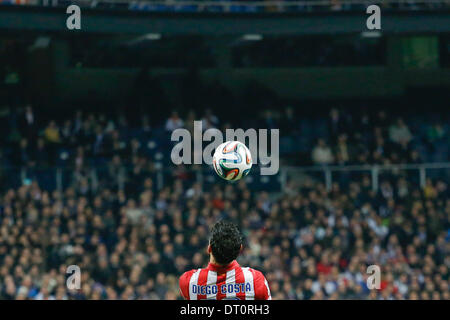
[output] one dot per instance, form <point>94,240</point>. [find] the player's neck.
<point>219,265</point>
<point>213,261</point>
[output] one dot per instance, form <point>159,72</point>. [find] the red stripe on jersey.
<point>239,276</point>
<point>261,290</point>
<point>202,280</point>
<point>184,283</point>
<point>221,280</point>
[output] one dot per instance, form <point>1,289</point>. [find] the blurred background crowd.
<point>86,117</point>
<point>333,136</point>
<point>132,239</point>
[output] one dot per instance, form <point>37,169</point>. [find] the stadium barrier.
<point>60,178</point>
<point>375,171</point>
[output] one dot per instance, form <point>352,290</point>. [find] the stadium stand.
<point>84,189</point>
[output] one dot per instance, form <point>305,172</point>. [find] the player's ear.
<point>208,249</point>
<point>242,248</point>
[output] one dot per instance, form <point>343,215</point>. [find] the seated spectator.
<point>209,120</point>
<point>399,132</point>
<point>51,133</point>
<point>174,122</point>
<point>342,150</point>
<point>435,132</point>
<point>29,124</point>
<point>321,154</point>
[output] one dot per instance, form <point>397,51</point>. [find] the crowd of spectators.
<point>340,137</point>
<point>134,242</point>
<point>310,243</point>
<point>380,140</point>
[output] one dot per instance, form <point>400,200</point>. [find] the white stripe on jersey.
<point>269,297</point>
<point>231,278</point>
<point>212,280</point>
<point>248,276</point>
<point>193,281</point>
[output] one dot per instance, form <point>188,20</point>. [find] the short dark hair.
<point>225,242</point>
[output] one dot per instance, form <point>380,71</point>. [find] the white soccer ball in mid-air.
<point>232,160</point>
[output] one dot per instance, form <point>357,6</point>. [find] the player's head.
<point>225,242</point>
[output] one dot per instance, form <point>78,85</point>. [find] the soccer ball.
<point>232,160</point>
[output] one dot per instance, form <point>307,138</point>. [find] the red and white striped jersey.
<point>219,283</point>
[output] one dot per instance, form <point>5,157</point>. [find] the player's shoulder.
<point>256,273</point>
<point>188,274</point>
<point>262,290</point>
<point>183,282</point>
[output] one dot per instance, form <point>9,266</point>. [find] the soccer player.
<point>224,278</point>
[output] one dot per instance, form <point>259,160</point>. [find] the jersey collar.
<point>222,269</point>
